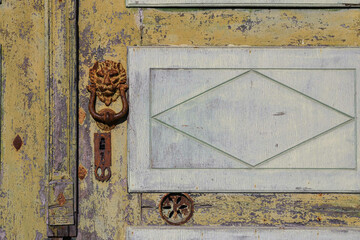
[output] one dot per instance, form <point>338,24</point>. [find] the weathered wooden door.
<point>38,119</point>
<point>107,29</point>
<point>42,195</point>
<point>23,173</point>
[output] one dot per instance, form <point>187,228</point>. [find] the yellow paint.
<point>312,210</point>
<point>101,26</point>
<point>276,27</point>
<point>106,29</point>
<point>23,175</point>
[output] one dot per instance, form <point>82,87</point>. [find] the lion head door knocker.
<point>107,82</point>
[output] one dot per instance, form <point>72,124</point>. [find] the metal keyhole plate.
<point>102,147</point>
<point>176,208</point>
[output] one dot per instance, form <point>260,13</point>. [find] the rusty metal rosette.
<point>176,208</point>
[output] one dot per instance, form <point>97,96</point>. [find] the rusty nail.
<point>17,142</point>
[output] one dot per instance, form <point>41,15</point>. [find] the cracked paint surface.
<point>105,209</point>
<point>105,31</point>
<point>258,27</point>
<point>106,28</point>
<point>22,172</point>
<point>280,210</point>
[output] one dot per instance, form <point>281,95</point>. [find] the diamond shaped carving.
<point>252,118</point>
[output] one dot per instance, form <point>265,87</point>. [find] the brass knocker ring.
<point>108,116</point>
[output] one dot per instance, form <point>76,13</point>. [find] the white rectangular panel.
<point>242,3</point>
<point>243,119</point>
<point>164,233</point>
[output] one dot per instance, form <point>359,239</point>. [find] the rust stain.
<point>61,199</point>
<point>82,172</point>
<point>82,116</point>
<point>17,142</point>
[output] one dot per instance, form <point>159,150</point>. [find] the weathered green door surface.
<point>37,93</point>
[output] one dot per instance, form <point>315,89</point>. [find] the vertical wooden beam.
<point>62,201</point>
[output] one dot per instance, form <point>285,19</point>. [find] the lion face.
<point>107,77</point>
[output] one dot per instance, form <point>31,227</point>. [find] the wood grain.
<point>282,210</point>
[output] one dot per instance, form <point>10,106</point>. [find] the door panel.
<point>23,179</point>
<point>107,28</point>
<point>286,116</point>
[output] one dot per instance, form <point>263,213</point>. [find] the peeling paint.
<point>199,27</point>
<point>262,27</point>
<point>106,29</point>
<point>39,235</point>
<point>22,36</point>
<point>25,65</point>
<point>29,96</point>
<point>42,197</point>
<point>2,234</point>
<point>279,210</point>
